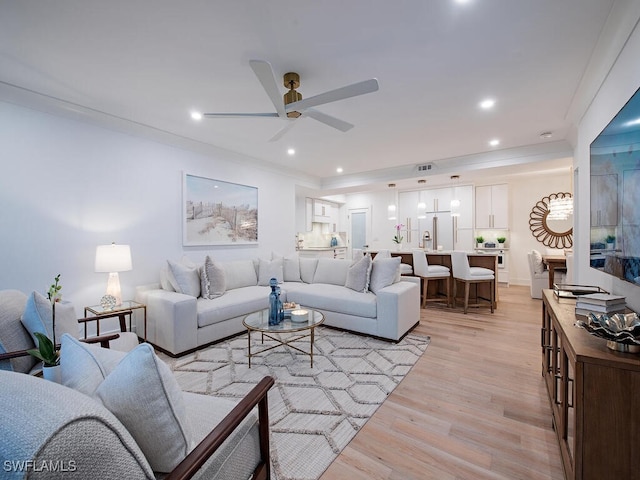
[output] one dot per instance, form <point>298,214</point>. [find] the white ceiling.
<point>154,61</point>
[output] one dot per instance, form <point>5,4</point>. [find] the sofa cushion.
<point>84,366</point>
<point>358,274</point>
<point>38,317</point>
<point>335,298</point>
<point>234,303</point>
<point>291,267</point>
<point>213,282</point>
<point>384,272</point>
<point>269,269</point>
<point>331,271</point>
<point>240,273</point>
<point>144,395</point>
<point>308,269</point>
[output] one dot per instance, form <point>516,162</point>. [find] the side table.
<point>127,305</point>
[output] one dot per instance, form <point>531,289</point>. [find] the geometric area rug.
<point>313,412</point>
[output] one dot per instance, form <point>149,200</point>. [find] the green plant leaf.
<point>46,351</point>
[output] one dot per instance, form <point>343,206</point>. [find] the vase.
<point>398,247</point>
<point>53,374</point>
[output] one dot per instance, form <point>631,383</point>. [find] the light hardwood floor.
<point>473,407</point>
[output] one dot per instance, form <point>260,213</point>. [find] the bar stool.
<point>426,272</point>
<point>462,272</point>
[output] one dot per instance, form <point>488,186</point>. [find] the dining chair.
<point>468,275</point>
<point>426,272</point>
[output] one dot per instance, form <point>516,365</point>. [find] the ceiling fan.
<point>292,106</point>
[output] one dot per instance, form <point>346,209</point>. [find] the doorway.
<point>359,228</point>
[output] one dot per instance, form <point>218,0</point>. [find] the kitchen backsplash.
<point>315,238</point>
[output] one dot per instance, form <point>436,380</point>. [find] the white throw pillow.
<point>383,272</point>
<point>538,265</point>
<point>358,274</point>
<point>166,279</point>
<point>187,279</point>
<point>84,366</point>
<point>270,269</point>
<point>38,317</point>
<point>213,279</point>
<point>144,395</point>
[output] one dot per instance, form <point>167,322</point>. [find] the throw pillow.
<point>187,279</point>
<point>383,272</point>
<point>144,395</point>
<point>84,366</point>
<point>270,269</point>
<point>166,279</point>
<point>358,274</point>
<point>332,271</point>
<point>240,273</point>
<point>538,265</point>
<point>38,317</point>
<point>213,280</point>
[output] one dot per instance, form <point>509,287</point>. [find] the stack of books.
<point>599,303</point>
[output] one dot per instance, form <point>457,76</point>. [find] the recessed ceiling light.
<point>339,170</point>
<point>546,135</point>
<point>196,115</point>
<point>291,151</point>
<point>494,143</point>
<point>487,104</point>
<point>462,1</point>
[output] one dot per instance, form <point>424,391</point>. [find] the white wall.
<point>67,187</point>
<point>623,80</point>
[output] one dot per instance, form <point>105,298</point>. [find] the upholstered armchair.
<point>22,315</point>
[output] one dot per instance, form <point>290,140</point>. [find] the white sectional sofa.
<point>182,317</point>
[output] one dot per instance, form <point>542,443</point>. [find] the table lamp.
<point>112,259</point>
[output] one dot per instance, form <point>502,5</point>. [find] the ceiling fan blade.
<point>239,115</point>
<point>353,90</point>
<point>328,119</point>
<point>264,72</point>
<point>282,131</point>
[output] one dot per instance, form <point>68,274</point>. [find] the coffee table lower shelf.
<point>259,322</point>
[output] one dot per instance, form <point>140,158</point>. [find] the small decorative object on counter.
<point>479,241</point>
<point>501,241</point>
<point>274,299</point>
<point>398,238</point>
<point>108,302</point>
<point>620,330</point>
<point>334,241</point>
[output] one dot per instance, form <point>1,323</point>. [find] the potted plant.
<point>479,241</point>
<point>397,239</point>
<point>46,351</point>
<point>501,241</point>
<point>611,240</point>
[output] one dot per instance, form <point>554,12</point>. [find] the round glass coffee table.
<point>259,322</point>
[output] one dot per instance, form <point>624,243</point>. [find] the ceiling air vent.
<point>426,167</point>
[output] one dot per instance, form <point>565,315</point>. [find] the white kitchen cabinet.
<point>308,204</point>
<point>408,216</point>
<point>604,200</point>
<point>437,199</point>
<point>334,218</point>
<point>321,211</point>
<point>492,207</point>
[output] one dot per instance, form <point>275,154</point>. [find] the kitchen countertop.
<point>319,249</point>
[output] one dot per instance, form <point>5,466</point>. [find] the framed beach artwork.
<point>218,213</point>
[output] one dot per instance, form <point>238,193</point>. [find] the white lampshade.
<point>113,258</point>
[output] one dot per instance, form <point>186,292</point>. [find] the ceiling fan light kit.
<point>292,105</point>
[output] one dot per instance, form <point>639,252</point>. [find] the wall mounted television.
<point>615,195</point>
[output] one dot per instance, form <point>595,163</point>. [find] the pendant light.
<point>391,208</point>
<point>422,207</point>
<point>455,203</point>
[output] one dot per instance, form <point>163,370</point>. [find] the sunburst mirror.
<point>551,231</point>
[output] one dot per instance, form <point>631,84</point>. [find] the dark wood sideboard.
<point>594,394</point>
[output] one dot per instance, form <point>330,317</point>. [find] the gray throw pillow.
<point>187,278</point>
<point>38,317</point>
<point>213,279</point>
<point>145,396</point>
<point>383,272</point>
<point>358,274</point>
<point>270,269</point>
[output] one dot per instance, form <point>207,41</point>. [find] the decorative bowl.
<point>618,329</point>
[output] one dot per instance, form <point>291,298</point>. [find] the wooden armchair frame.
<point>208,446</point>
